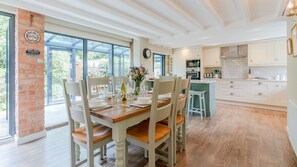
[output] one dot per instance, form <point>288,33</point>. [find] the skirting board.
<point>29,138</point>
<point>267,107</point>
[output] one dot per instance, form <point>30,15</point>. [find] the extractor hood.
<point>235,51</point>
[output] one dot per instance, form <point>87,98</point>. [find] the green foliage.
<point>4,21</point>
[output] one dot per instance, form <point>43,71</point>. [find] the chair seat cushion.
<point>100,133</point>
<point>179,119</point>
<point>141,130</point>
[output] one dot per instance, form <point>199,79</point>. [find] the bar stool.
<point>202,109</point>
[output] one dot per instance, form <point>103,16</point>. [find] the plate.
<point>144,98</point>
<point>143,102</point>
<point>97,104</point>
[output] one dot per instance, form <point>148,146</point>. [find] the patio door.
<point>7,101</point>
<point>63,60</point>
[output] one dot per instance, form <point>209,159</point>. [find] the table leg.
<point>119,137</point>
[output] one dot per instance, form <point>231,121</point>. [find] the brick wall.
<point>29,75</point>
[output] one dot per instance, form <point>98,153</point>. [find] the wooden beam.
<point>212,11</point>
<point>76,12</point>
<point>98,8</point>
<point>39,8</point>
<point>153,15</point>
<point>185,14</point>
<point>243,8</point>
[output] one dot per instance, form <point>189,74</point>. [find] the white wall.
<point>181,55</point>
<point>139,45</point>
<point>292,95</point>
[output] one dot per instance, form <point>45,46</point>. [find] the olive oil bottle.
<point>124,91</point>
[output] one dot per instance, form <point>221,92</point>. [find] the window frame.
<point>163,63</point>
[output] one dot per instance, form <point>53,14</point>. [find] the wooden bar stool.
<point>202,109</point>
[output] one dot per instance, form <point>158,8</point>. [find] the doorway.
<point>7,77</point>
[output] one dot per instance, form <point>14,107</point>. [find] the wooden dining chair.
<point>117,81</point>
<point>90,136</point>
<point>167,78</point>
<point>179,114</point>
<point>150,134</point>
<point>95,84</point>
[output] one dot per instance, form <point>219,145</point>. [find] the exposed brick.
<point>29,76</point>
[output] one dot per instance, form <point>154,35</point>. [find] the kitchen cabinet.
<point>268,53</point>
<point>272,93</point>
<point>211,57</point>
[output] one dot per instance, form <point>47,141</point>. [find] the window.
<point>7,69</point>
<point>159,65</point>
<point>74,58</point>
<point>99,59</point>
<point>121,60</point>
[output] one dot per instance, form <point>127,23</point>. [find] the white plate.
<point>143,102</point>
<point>144,98</point>
<point>97,104</point>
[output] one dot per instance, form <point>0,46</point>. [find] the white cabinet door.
<point>257,54</point>
<point>211,57</point>
<point>280,55</point>
<point>268,53</point>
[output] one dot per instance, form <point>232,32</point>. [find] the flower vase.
<point>137,88</point>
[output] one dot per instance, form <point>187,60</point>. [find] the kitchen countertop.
<point>204,81</point>
<point>241,79</point>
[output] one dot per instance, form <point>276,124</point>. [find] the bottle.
<point>124,91</point>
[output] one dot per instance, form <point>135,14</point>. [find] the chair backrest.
<point>77,111</point>
<point>182,96</point>
<point>116,81</point>
<point>167,78</point>
<point>160,113</point>
<point>94,85</point>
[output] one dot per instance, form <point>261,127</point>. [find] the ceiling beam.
<point>243,8</point>
<point>282,7</point>
<point>154,15</point>
<point>28,5</point>
<point>99,9</point>
<point>212,11</point>
<point>185,14</point>
<point>95,19</point>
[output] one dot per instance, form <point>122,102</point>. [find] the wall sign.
<point>32,52</point>
<point>32,36</point>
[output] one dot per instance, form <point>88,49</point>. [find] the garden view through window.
<point>64,58</point>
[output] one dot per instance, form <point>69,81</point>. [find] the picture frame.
<point>289,46</point>
<point>294,40</point>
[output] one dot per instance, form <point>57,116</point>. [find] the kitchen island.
<point>209,87</point>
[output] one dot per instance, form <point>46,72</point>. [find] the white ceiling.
<point>171,23</point>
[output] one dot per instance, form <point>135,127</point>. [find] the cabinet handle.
<point>251,60</point>
<point>231,86</point>
<point>276,86</point>
<point>260,94</point>
<point>231,82</point>
<point>260,83</point>
<point>231,94</point>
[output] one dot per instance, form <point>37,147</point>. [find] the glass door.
<point>63,60</point>
<point>7,117</point>
<point>159,65</point>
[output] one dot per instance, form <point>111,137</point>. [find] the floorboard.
<point>235,137</point>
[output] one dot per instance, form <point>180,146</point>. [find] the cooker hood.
<point>235,51</point>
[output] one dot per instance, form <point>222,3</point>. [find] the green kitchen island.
<point>209,87</point>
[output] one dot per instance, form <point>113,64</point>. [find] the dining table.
<point>119,119</point>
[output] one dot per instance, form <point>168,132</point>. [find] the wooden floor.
<point>234,137</point>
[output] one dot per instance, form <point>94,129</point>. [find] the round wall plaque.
<point>32,36</point>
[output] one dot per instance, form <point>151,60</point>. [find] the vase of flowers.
<point>138,74</point>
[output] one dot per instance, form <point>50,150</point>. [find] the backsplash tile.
<point>234,68</point>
